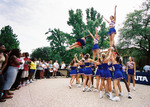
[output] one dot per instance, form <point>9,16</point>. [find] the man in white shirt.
<point>56,66</point>
<point>63,66</point>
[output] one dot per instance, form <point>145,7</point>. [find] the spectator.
<point>63,65</point>
<point>46,69</point>
<point>3,63</point>
<point>17,85</point>
<point>25,72</point>
<point>39,69</point>
<point>44,66</point>
<point>32,70</point>
<point>50,69</point>
<point>146,68</point>
<point>56,66</point>
<point>13,65</point>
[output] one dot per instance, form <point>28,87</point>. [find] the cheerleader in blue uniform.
<point>124,80</point>
<point>131,71</point>
<point>73,72</point>
<point>95,48</point>
<point>117,76</point>
<point>99,71</point>
<point>112,31</point>
<point>106,74</point>
<point>93,73</point>
<point>87,72</point>
<point>79,43</point>
<point>81,69</point>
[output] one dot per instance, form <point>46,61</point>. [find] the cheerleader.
<point>79,43</point>
<point>112,31</point>
<point>117,76</point>
<point>87,72</point>
<point>73,72</point>
<point>131,71</point>
<point>124,80</point>
<point>106,74</point>
<point>81,70</point>
<point>95,48</point>
<point>98,73</point>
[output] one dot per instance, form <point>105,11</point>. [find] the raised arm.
<point>109,56</point>
<point>91,34</point>
<point>106,19</point>
<point>115,13</point>
<point>96,33</point>
<point>81,56</point>
<point>77,59</point>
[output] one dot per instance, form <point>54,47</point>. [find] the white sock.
<point>110,94</point>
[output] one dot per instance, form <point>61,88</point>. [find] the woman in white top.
<point>95,48</point>
<point>63,66</point>
<point>112,31</point>
<point>56,66</point>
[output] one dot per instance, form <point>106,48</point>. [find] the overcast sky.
<point>30,19</point>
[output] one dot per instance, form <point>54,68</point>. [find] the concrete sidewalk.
<point>56,93</point>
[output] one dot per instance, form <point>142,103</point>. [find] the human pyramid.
<point>108,66</point>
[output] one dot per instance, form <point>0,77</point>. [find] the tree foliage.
<point>136,32</point>
<point>8,38</point>
<point>45,53</point>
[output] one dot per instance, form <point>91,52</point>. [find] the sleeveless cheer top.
<point>87,63</point>
<point>73,68</point>
<point>100,66</point>
<point>112,24</point>
<point>96,41</point>
<point>82,66</point>
<point>130,65</point>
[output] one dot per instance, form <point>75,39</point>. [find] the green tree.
<point>58,40</point>
<point>8,38</point>
<point>45,53</point>
<point>136,32</point>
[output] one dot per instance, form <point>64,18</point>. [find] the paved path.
<point>55,93</point>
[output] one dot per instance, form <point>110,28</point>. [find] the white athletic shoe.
<point>28,82</point>
<point>101,94</point>
<point>89,90</point>
<point>129,95</point>
<point>31,81</point>
<point>84,89</point>
<point>67,48</point>
<point>96,90</point>
<point>70,86</point>
<point>134,88</point>
<point>116,99</point>
<point>120,94</point>
<point>23,84</point>
<point>79,86</point>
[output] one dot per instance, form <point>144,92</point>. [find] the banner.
<point>141,78</point>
